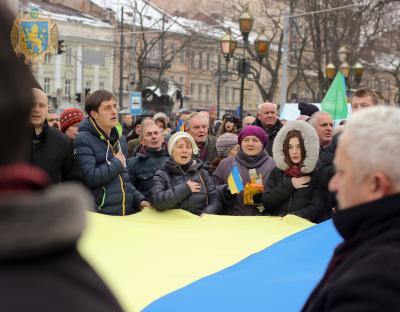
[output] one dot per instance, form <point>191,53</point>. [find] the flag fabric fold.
<point>180,127</point>
<point>335,100</point>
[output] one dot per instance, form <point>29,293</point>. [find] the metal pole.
<point>285,48</point>
<point>242,78</point>
<point>82,82</point>
<point>219,87</point>
<point>121,61</point>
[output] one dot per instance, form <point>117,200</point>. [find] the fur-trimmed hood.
<point>33,223</point>
<point>311,144</point>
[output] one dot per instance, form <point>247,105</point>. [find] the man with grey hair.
<point>197,126</point>
<point>267,118</point>
<point>150,157</point>
<point>323,123</point>
<point>362,275</point>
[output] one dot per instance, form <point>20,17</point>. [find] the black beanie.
<point>307,109</point>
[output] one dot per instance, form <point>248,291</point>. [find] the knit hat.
<point>256,131</point>
<point>179,135</point>
<point>225,143</point>
<point>160,116</point>
<point>69,117</point>
<point>307,109</point>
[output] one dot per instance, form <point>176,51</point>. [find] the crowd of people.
<point>284,166</point>
<point>293,167</point>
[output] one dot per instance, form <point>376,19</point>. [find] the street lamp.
<point>244,69</point>
<point>356,72</point>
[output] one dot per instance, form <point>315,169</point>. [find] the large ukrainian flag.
<point>144,257</point>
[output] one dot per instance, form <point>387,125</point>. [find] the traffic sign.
<point>136,103</point>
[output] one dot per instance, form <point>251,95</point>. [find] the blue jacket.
<point>105,175</point>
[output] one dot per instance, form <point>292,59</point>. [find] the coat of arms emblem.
<point>34,37</point>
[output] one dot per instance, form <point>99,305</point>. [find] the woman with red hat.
<point>69,120</point>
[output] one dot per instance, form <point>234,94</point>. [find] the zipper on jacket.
<point>103,198</point>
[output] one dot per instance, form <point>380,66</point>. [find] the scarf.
<point>294,172</point>
<point>22,177</point>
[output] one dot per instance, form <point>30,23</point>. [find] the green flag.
<point>335,100</point>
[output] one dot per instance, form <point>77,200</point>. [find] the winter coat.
<point>272,132</point>
<point>40,266</point>
<point>53,152</point>
<point>280,196</point>
<point>233,204</point>
<point>170,189</point>
<point>210,154</point>
<point>128,132</point>
<point>105,175</point>
<point>142,168</point>
<point>363,272</point>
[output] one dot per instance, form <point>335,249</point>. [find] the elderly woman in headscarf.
<point>291,186</point>
<point>254,165</point>
<point>182,183</point>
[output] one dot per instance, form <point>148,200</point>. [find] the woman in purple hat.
<point>254,165</point>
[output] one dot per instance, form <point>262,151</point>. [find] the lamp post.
<point>244,69</point>
<point>350,73</point>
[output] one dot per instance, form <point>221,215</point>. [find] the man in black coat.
<point>267,118</point>
<point>51,150</point>
<point>152,155</point>
<point>362,275</point>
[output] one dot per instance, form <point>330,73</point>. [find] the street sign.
<point>136,103</point>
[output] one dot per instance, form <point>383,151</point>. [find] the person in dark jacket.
<point>290,188</point>
<point>362,274</point>
<point>128,128</point>
<point>51,150</point>
<point>101,149</point>
<point>251,159</point>
<point>267,119</point>
<point>151,156</point>
<point>182,183</point>
<point>41,268</point>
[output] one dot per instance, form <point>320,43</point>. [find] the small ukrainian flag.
<point>235,180</point>
<point>181,126</point>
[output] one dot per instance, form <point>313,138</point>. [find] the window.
<point>47,58</point>
<point>68,57</point>
<point>234,95</point>
<point>88,84</point>
<point>192,90</point>
<point>200,92</point>
<point>46,85</point>
<point>67,88</point>
<point>200,60</point>
<point>208,61</point>
<point>181,80</point>
<point>192,60</point>
<point>154,53</point>
<point>227,99</point>
<point>101,85</point>
<point>207,93</point>
<point>173,51</point>
<point>182,56</point>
